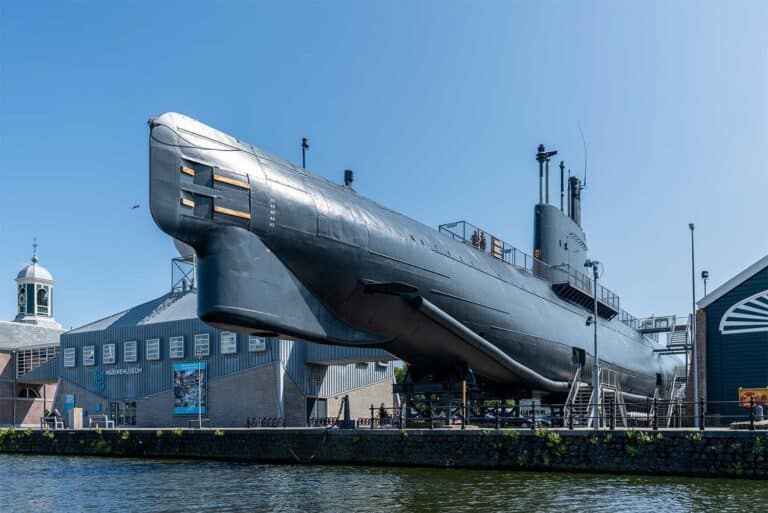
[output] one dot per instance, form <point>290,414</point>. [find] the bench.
<point>96,420</point>
<point>51,422</point>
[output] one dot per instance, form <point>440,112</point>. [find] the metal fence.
<point>651,414</point>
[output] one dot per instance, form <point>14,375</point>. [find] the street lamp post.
<point>704,278</point>
<point>594,264</point>
<point>14,368</point>
<point>696,419</point>
<point>199,357</point>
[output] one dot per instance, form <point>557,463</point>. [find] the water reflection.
<point>73,484</point>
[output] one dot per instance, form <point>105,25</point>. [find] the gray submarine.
<point>281,251</point>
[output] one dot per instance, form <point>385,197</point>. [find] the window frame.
<point>65,357</point>
<point>148,355</point>
<point>198,341</point>
<point>89,360</point>
<point>126,345</point>
<point>113,348</point>
<point>261,341</point>
<point>231,337</point>
<point>177,352</point>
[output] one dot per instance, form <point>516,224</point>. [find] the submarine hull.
<point>282,251</point>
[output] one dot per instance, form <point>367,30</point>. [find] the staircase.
<point>676,396</point>
<point>582,405</point>
<point>580,398</point>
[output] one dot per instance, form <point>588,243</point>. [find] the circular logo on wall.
<point>99,381</point>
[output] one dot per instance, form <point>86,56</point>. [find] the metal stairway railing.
<point>572,394</point>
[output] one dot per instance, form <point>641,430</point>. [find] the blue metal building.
<point>733,340</point>
<point>142,367</point>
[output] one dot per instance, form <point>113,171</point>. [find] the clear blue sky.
<point>437,106</point>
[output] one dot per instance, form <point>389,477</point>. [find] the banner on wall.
<point>186,388</point>
<point>760,396</point>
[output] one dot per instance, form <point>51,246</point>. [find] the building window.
<point>69,357</point>
<point>89,356</point>
<point>28,393</point>
<point>129,351</point>
<point>202,344</point>
<point>43,294</point>
<point>257,344</point>
<point>29,359</point>
<point>108,354</point>
<point>153,349</point>
<point>123,412</point>
<point>228,342</point>
<point>176,347</point>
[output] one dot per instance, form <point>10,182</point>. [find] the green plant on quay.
<point>758,446</point>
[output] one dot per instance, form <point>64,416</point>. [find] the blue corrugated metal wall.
<point>155,376</point>
<point>734,360</point>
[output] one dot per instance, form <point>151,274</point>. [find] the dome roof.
<point>34,271</point>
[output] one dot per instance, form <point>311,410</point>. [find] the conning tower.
<point>558,238</point>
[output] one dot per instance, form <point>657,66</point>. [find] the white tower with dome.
<point>35,294</point>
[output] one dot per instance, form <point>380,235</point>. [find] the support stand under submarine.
<point>560,250</point>
<point>282,252</point>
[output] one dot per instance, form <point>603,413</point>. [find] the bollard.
<point>533,414</point>
<point>702,417</point>
<point>655,415</point>
<point>463,415</point>
<point>752,413</point>
<point>372,418</point>
<point>570,416</point>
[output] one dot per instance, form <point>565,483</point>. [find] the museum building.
<point>155,364</point>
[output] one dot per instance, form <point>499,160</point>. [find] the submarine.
<point>281,251</point>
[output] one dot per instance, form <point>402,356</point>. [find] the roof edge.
<point>734,282</point>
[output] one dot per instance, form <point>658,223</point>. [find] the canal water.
<point>73,484</point>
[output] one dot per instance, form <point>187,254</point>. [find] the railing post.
<point>463,416</point>
<point>702,416</point>
<point>752,413</point>
<point>429,413</point>
<point>498,415</point>
<point>533,414</point>
<point>612,406</point>
<point>570,415</point>
<point>655,415</point>
<point>372,418</point>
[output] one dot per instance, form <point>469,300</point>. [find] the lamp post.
<point>594,264</point>
<point>704,278</point>
<point>693,333</point>
<point>14,369</point>
<point>199,357</point>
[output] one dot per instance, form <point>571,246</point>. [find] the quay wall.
<point>738,454</point>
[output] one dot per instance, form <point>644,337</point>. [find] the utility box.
<point>75,419</point>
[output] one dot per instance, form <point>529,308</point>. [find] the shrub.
<point>758,446</point>
<point>178,432</point>
<point>125,435</point>
<point>218,432</point>
<point>159,433</point>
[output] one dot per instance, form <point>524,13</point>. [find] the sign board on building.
<point>189,384</point>
<point>760,395</point>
